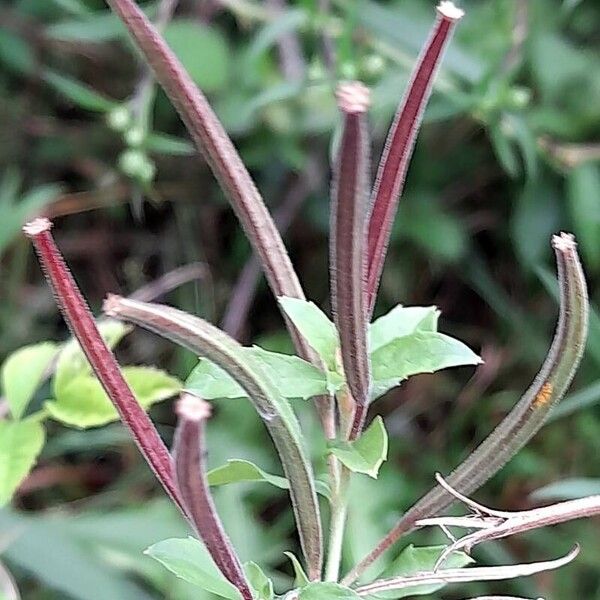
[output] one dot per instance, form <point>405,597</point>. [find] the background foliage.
<point>509,154</point>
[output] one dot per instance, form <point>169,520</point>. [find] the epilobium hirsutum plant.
<point>344,364</point>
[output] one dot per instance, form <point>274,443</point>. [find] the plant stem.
<point>337,526</point>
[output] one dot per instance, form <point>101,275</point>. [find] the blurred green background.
<point>509,154</point>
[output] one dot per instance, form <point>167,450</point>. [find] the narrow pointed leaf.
<point>260,583</point>
<point>327,591</point>
<point>413,560</point>
<point>239,471</point>
<point>293,377</point>
<point>83,403</point>
<point>300,578</point>
<point>421,352</point>
<point>20,444</point>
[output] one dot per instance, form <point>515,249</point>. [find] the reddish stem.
<point>190,469</point>
<point>81,323</point>
<point>399,145</point>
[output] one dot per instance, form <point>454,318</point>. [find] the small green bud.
<point>348,71</point>
<point>135,164</point>
<point>520,97</point>
<point>147,172</point>
<point>373,65</point>
<point>134,136</point>
<point>119,118</point>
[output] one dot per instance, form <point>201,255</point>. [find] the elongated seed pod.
<point>528,415</point>
<point>209,342</point>
<point>348,242</point>
<point>81,323</point>
<point>399,145</point>
<point>212,141</point>
<point>189,451</point>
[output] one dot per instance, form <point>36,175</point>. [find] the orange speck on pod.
<point>544,395</point>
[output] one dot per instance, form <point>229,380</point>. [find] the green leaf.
<point>72,362</point>
<point>190,561</point>
<point>202,50</point>
<point>412,560</point>
<point>327,591</point>
<point>15,53</point>
<point>259,582</point>
<point>163,143</point>
<point>83,403</point>
<point>583,193</point>
<point>210,382</point>
<point>567,489</point>
<point>421,352</point>
<point>292,376</point>
<point>20,444</point>
<point>80,94</point>
<point>239,471</point>
<point>300,577</point>
<point>23,372</point>
<point>95,27</point>
<point>401,321</point>
<point>314,326</point>
<point>367,453</point>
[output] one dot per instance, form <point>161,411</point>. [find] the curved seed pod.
<point>399,145</point>
<point>209,342</point>
<point>212,141</point>
<point>348,241</point>
<point>80,321</point>
<point>189,452</point>
<point>529,414</point>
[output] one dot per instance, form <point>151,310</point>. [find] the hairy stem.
<point>209,342</point>
<point>526,418</point>
<point>81,323</point>
<point>190,468</point>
